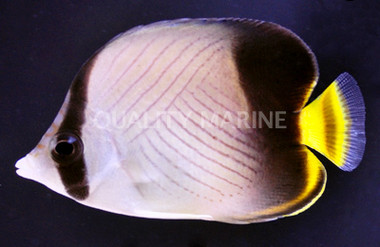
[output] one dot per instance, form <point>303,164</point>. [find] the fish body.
<point>199,119</point>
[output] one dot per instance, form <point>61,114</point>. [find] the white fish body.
<point>173,162</point>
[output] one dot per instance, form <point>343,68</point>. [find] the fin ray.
<point>289,74</point>
<point>308,188</point>
<point>340,136</point>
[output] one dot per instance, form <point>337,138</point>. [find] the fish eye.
<point>66,148</point>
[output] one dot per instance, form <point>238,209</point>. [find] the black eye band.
<point>66,148</point>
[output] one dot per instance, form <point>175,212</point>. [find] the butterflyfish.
<point>202,119</point>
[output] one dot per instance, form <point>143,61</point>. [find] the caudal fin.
<point>334,123</point>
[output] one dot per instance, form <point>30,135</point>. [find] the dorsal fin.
<point>277,69</point>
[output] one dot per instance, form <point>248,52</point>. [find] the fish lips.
<point>25,167</point>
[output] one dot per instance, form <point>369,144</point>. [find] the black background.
<point>43,44</point>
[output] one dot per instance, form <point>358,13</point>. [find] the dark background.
<point>43,44</point>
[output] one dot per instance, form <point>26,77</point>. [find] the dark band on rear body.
<point>270,58</point>
<point>74,175</point>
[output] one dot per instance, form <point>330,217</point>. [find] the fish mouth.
<point>19,165</point>
<point>23,166</point>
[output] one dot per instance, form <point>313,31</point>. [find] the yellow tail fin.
<point>334,123</point>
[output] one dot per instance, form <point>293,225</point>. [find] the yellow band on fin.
<point>333,124</point>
